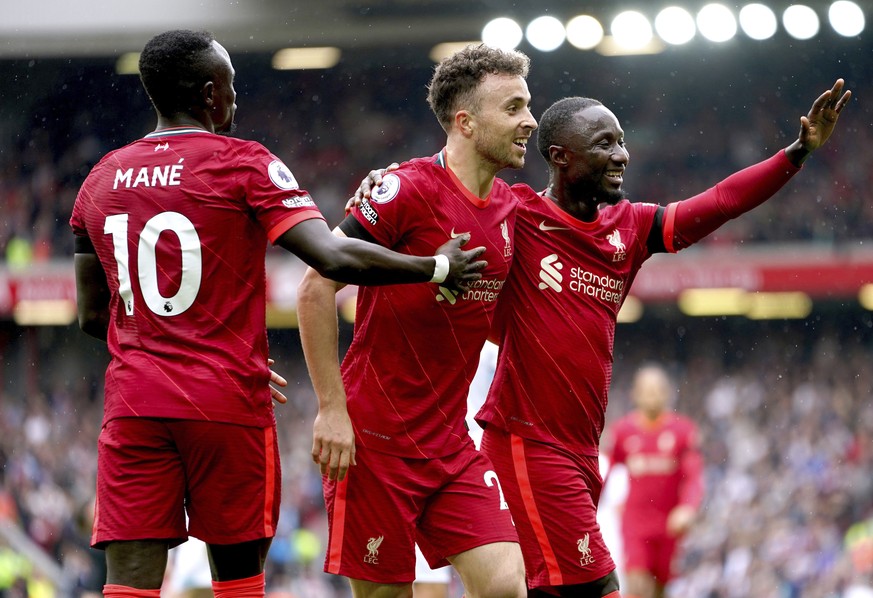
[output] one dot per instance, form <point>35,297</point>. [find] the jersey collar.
<point>443,162</point>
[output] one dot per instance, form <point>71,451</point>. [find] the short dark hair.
<point>173,65</point>
<point>556,121</point>
<point>457,77</point>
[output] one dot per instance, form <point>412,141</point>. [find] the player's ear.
<point>464,122</point>
<point>207,94</point>
<point>558,155</point>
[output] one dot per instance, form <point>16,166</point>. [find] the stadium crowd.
<point>785,408</point>
<point>684,133</point>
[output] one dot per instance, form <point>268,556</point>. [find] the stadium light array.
<point>546,33</point>
<point>503,32</point>
<point>675,25</point>
<point>633,31</point>
<point>800,21</point>
<point>846,18</point>
<point>758,21</point>
<point>739,302</point>
<point>288,59</point>
<point>716,23</point>
<point>584,32</point>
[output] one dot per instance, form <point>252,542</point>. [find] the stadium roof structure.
<point>59,28</point>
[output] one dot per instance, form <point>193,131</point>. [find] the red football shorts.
<point>150,471</point>
<point>653,554</point>
<point>552,494</point>
<point>386,504</point>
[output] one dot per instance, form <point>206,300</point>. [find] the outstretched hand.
<point>817,126</point>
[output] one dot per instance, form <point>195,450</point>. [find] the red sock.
<point>250,587</point>
<point>114,590</point>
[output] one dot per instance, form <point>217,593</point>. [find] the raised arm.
<point>817,126</point>
<point>685,222</point>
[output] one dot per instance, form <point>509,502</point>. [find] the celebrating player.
<point>396,409</point>
<point>659,449</point>
<point>171,233</point>
<point>579,245</point>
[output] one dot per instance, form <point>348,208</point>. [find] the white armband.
<point>440,269</point>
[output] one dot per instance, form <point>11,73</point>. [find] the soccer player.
<point>579,245</point>
<point>171,233</point>
<point>396,408</point>
<point>659,449</point>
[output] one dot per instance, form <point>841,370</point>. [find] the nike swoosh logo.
<point>546,227</point>
<point>456,235</point>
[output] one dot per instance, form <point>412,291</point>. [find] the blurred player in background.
<point>660,451</point>
<point>396,408</point>
<point>171,234</point>
<point>579,245</point>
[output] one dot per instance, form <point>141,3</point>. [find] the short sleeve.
<point>394,206</point>
<point>273,194</point>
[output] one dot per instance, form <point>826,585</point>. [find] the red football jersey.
<point>556,319</point>
<point>416,346</point>
<point>664,469</point>
<point>180,221</point>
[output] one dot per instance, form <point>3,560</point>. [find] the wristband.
<point>440,269</point>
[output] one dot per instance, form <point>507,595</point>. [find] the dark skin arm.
<point>353,261</point>
<point>92,295</point>
<point>817,126</point>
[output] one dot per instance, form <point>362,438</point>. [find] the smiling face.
<point>596,156</point>
<point>501,120</point>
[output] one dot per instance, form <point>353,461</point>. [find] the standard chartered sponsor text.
<point>603,287</point>
<point>486,289</point>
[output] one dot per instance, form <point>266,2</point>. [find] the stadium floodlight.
<point>442,51</point>
<point>127,64</point>
<point>502,32</point>
<point>584,32</point>
<point>716,23</point>
<point>714,302</point>
<point>779,306</point>
<point>631,29</point>
<point>631,310</point>
<point>292,59</point>
<point>675,25</point>
<point>546,33</point>
<point>758,21</point>
<point>800,21</point>
<point>846,18</point>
